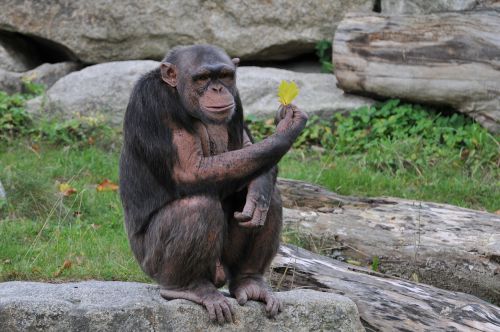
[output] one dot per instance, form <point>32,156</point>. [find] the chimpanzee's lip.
<point>219,109</point>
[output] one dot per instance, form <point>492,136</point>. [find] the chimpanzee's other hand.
<point>254,213</point>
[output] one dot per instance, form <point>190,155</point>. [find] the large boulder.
<point>104,89</point>
<point>410,7</point>
<point>450,59</point>
<point>318,92</point>
<point>128,306</point>
<point>46,74</point>
<point>101,30</point>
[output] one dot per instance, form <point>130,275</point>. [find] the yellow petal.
<point>287,91</point>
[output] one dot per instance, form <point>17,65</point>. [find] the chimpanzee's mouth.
<point>220,108</point>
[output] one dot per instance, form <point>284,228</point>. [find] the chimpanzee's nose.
<point>217,87</point>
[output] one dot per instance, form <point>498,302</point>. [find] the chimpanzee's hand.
<point>259,194</point>
<point>290,120</point>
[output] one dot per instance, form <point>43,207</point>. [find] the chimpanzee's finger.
<point>247,212</point>
<point>227,312</point>
<point>280,114</point>
<point>220,314</point>
<point>211,311</point>
<point>259,216</point>
<point>241,296</point>
<point>242,217</point>
<point>248,224</point>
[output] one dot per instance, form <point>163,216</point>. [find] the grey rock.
<point>16,54</point>
<point>411,7</point>
<point>10,81</point>
<point>318,92</point>
<point>128,306</point>
<point>46,74</point>
<point>49,73</point>
<point>104,90</point>
<point>98,31</point>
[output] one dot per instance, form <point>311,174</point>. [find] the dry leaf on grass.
<point>66,265</point>
<point>107,185</point>
<point>66,189</point>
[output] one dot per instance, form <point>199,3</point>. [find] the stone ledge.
<point>128,306</point>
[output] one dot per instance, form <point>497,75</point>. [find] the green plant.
<point>375,263</point>
<point>79,130</point>
<point>33,89</point>
<point>324,53</point>
<point>394,136</point>
<point>317,132</point>
<point>260,129</point>
<point>16,122</point>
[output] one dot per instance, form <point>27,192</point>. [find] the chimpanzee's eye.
<point>204,77</point>
<point>201,77</point>
<point>226,76</point>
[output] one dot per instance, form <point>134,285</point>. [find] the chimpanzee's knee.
<point>184,241</point>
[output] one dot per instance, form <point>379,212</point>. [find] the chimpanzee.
<point>199,196</point>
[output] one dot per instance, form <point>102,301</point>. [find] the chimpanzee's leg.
<point>181,247</point>
<point>248,253</point>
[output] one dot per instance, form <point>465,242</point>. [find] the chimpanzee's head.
<point>205,79</point>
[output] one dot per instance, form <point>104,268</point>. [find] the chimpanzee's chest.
<point>214,139</point>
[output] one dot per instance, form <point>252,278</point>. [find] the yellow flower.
<point>287,92</point>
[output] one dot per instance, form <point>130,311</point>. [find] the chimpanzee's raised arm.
<point>193,167</point>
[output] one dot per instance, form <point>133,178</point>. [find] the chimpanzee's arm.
<point>192,167</point>
<point>259,192</point>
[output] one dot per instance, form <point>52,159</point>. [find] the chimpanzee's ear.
<point>169,73</point>
<point>236,61</point>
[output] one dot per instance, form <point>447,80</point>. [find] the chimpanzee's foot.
<point>218,306</point>
<point>253,287</point>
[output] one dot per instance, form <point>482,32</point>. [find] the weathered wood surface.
<point>448,59</point>
<point>442,245</point>
<point>384,303</point>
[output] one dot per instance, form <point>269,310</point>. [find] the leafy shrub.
<point>16,122</point>
<point>33,89</point>
<point>324,53</point>
<point>259,129</point>
<point>393,135</point>
<point>393,130</point>
<point>86,130</point>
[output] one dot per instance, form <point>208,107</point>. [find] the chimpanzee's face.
<point>206,83</point>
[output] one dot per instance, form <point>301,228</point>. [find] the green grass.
<point>443,182</point>
<point>41,229</point>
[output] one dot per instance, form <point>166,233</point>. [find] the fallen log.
<point>438,244</point>
<point>450,59</point>
<point>384,303</point>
